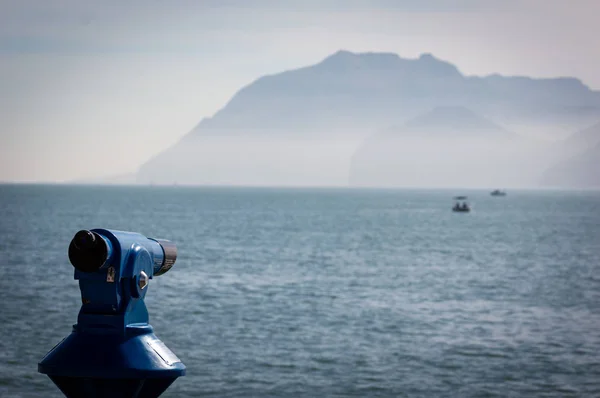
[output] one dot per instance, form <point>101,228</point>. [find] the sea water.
<point>325,292</point>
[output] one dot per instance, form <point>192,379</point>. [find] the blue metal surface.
<point>112,351</point>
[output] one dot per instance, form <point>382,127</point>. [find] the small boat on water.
<point>461,205</point>
<point>497,192</point>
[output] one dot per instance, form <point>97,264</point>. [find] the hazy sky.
<point>93,88</point>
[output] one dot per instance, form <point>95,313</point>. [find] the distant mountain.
<point>373,90</point>
<point>448,146</point>
<point>344,90</point>
<point>579,163</point>
<point>301,127</point>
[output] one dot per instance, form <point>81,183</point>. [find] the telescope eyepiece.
<point>88,251</point>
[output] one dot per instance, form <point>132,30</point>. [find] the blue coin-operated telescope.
<point>112,351</point>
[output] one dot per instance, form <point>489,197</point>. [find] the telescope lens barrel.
<point>170,255</point>
<point>88,251</point>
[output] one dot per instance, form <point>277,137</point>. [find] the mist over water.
<point>256,160</point>
<point>449,160</point>
<point>330,292</point>
<point>441,156</point>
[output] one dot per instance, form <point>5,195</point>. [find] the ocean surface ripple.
<point>326,293</point>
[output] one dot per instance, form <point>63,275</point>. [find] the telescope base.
<point>103,365</point>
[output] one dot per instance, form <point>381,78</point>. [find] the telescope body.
<point>112,350</point>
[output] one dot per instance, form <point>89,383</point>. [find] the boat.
<point>461,205</point>
<point>497,192</point>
